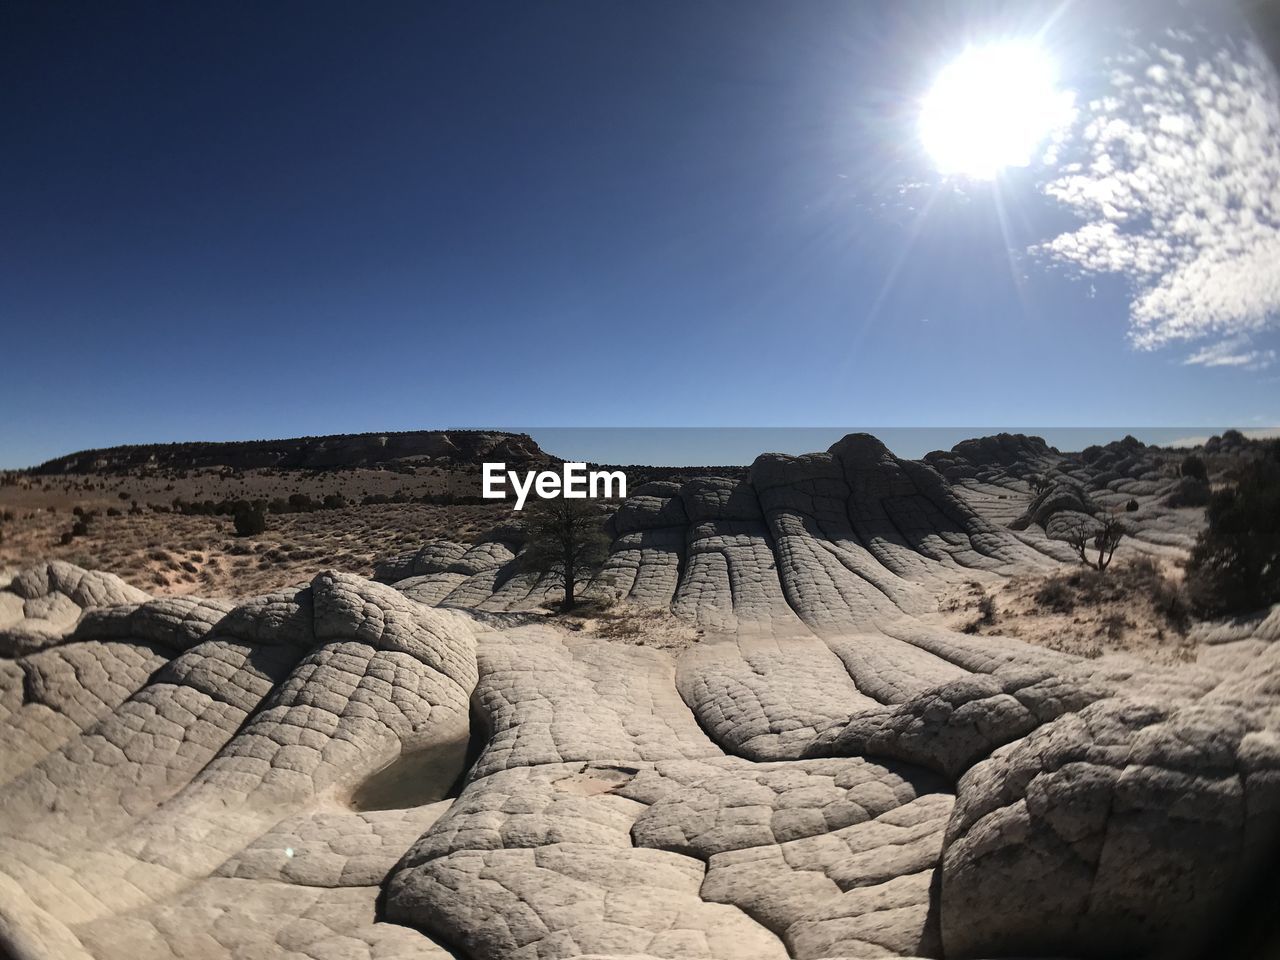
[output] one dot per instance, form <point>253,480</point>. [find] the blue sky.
<point>229,221</point>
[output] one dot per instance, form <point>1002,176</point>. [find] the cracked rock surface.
<point>419,768</point>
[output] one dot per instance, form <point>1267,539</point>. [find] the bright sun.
<point>991,108</point>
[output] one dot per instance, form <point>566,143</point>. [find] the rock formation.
<point>306,453</point>
<point>418,768</point>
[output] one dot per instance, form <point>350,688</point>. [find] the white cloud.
<point>1177,180</point>
<point>1233,352</point>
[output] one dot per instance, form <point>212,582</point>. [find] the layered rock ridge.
<point>355,770</point>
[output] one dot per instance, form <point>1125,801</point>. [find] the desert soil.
<point>171,553</point>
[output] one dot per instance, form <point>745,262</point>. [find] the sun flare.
<point>991,108</point>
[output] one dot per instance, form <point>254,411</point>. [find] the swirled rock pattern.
<point>152,829</point>
<point>43,603</point>
<point>421,768</point>
<point>994,475</point>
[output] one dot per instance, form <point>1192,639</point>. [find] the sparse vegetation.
<point>1057,594</point>
<point>565,540</point>
<point>1103,534</point>
<point>1134,584</point>
<point>620,622</point>
<point>347,539</point>
<point>986,612</point>
<point>1235,565</point>
<point>1116,625</point>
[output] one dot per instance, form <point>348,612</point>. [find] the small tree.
<point>249,518</point>
<point>1235,564</point>
<point>1103,534</point>
<point>564,539</point>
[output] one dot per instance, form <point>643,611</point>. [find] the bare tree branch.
<point>566,541</point>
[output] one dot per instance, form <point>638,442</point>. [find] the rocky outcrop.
<point>42,604</point>
<point>281,703</point>
<point>1124,828</point>
<point>354,769</point>
<point>1013,453</point>
<point>825,542</point>
<point>307,453</point>
<point>998,475</point>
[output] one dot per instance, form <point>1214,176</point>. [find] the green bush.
<point>249,519</point>
<point>1235,564</point>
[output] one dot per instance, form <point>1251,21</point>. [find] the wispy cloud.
<point>1177,179</point>
<point>1233,352</point>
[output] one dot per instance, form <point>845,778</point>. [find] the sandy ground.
<point>622,623</point>
<point>1132,607</point>
<point>171,553</point>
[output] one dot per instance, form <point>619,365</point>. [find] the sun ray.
<point>891,277</point>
